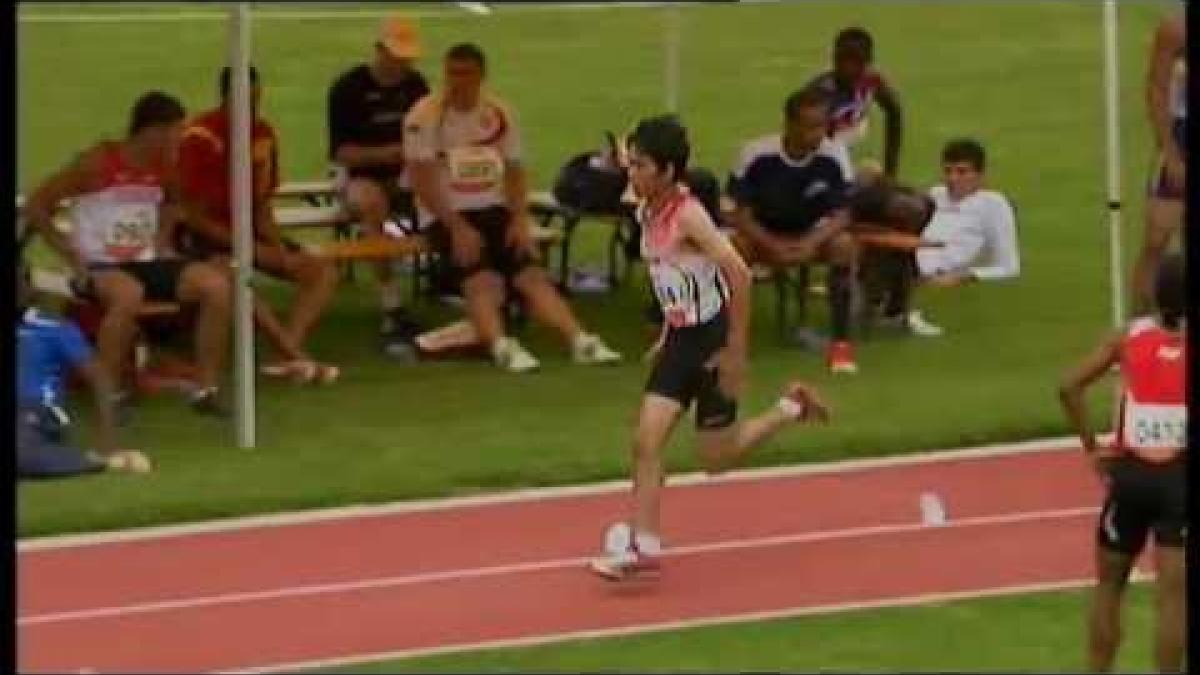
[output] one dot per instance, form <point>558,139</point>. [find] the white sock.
<point>793,409</point>
<point>648,543</point>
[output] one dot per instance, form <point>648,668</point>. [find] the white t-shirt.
<point>473,150</point>
<point>979,234</point>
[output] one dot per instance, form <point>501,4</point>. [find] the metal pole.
<point>671,46</point>
<point>1113,152</point>
<point>243,241</point>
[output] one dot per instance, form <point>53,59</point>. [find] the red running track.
<point>287,595</point>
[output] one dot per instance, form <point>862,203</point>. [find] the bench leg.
<point>779,284</point>
<point>617,244</point>
<point>564,259</point>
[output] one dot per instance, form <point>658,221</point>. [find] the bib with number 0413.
<point>1154,431</point>
<point>474,168</point>
<point>130,234</point>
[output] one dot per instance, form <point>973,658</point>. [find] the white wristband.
<point>791,407</point>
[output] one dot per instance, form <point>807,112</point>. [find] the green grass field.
<point>1023,77</point>
<point>1028,86</point>
<point>1039,633</point>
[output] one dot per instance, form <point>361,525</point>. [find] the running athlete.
<point>1166,103</point>
<point>703,287</point>
<point>1144,471</point>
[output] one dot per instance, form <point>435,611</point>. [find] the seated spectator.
<point>976,230</point>
<point>204,165</point>
<point>464,155</point>
<point>789,192</point>
<point>366,109</point>
<point>49,350</point>
<point>125,206</point>
<point>851,87</point>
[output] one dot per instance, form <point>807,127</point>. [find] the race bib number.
<point>474,169</point>
<point>1155,427</point>
<point>672,291</point>
<point>132,231</point>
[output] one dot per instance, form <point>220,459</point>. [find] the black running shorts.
<point>159,278</point>
<point>686,370</point>
<point>492,225</point>
<point>1143,498</point>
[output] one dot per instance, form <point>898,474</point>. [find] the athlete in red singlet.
<point>1144,470</point>
<point>124,197</point>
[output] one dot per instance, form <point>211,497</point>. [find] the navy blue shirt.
<point>47,350</point>
<point>788,196</point>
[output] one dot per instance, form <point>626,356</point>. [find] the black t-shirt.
<point>785,195</point>
<point>364,112</point>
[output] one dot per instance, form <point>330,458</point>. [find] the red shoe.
<point>841,358</point>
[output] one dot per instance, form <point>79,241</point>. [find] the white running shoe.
<point>627,565</point>
<point>622,559</point>
<point>919,326</point>
<point>511,356</point>
<point>590,349</point>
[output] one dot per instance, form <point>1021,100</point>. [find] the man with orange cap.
<point>366,109</point>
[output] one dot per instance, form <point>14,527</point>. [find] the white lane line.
<point>33,16</point>
<point>516,568</point>
<point>539,494</point>
<point>792,612</point>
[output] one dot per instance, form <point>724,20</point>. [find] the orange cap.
<point>398,35</point>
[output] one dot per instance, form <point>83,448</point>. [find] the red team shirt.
<point>204,164</point>
<point>1153,421</point>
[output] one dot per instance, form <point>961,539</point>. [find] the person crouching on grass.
<point>48,350</point>
<point>1144,472</point>
<point>703,286</point>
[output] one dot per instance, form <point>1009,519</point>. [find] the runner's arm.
<point>1072,389</point>
<point>699,229</point>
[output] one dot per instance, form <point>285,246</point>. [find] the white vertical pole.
<point>1113,152</point>
<point>671,45</point>
<point>243,241</point>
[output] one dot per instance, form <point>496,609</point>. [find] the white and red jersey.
<point>688,284</point>
<point>117,219</point>
<point>849,107</point>
<point>472,149</point>
<point>1153,421</point>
